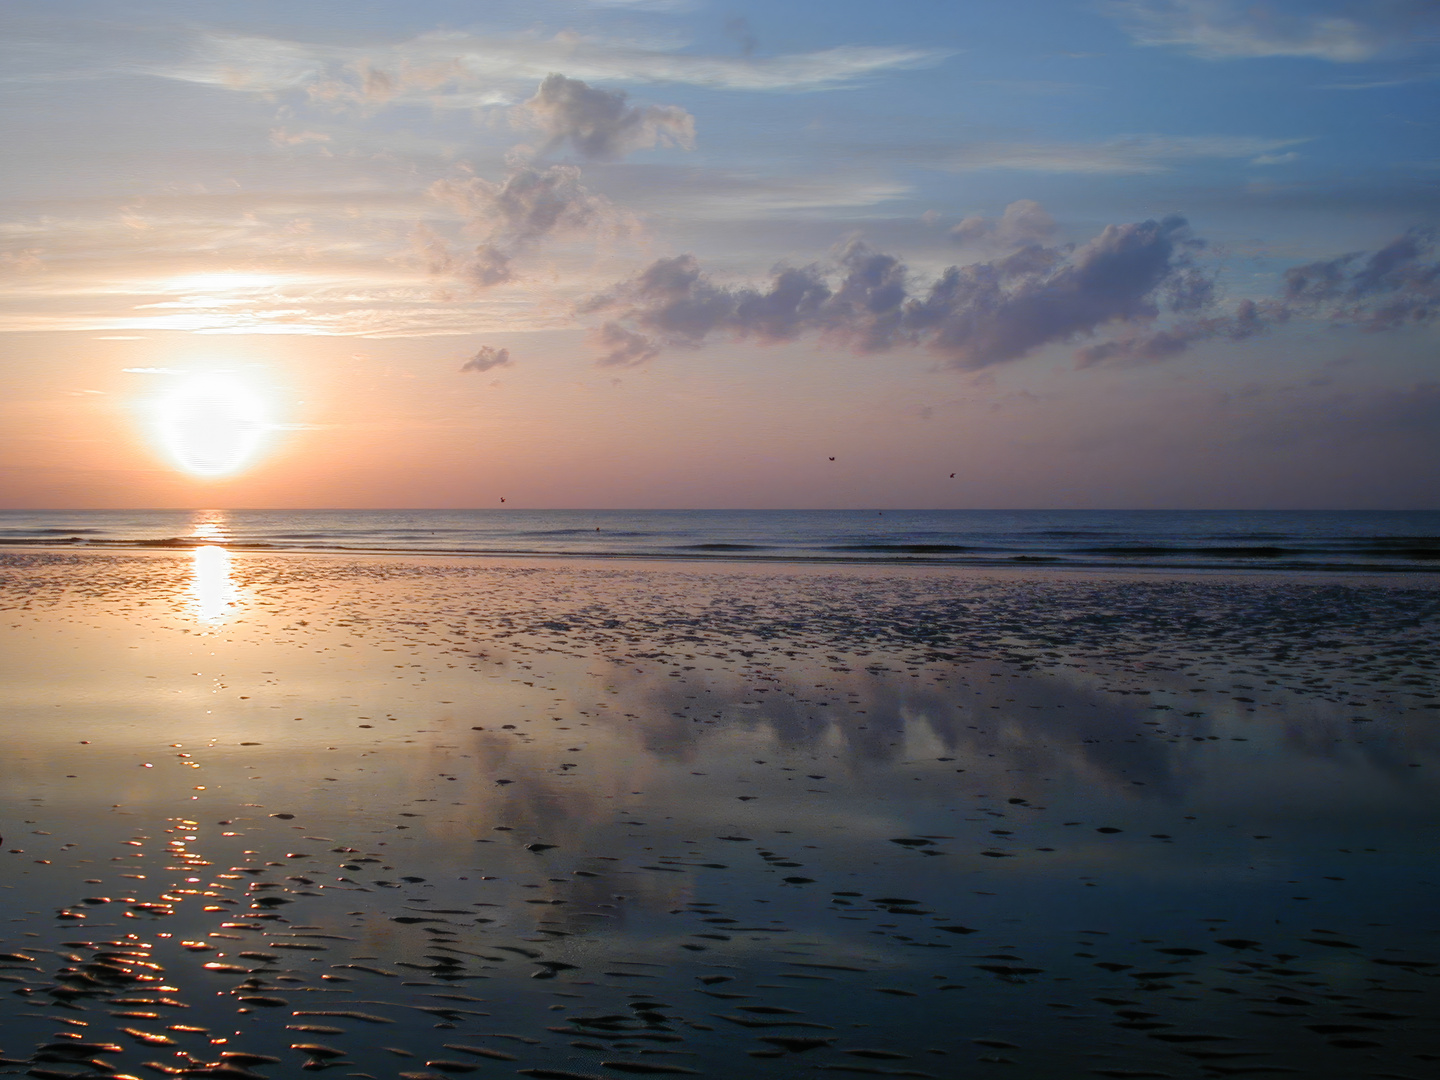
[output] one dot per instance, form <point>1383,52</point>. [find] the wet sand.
<point>426,817</point>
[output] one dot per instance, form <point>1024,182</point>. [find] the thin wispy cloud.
<point>1390,82</point>
<point>724,195</point>
<point>1128,155</point>
<point>458,70</point>
<point>1338,32</point>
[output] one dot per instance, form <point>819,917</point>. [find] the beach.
<point>425,815</point>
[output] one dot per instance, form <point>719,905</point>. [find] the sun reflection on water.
<point>212,595</point>
<point>209,525</point>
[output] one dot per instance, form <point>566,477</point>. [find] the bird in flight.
<point>832,459</point>
<point>952,476</point>
<point>502,498</point>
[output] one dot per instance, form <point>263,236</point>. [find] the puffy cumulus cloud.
<point>1396,286</point>
<point>599,124</point>
<point>1340,31</point>
<point>1001,310</point>
<point>487,358</point>
<point>1023,222</point>
<point>511,216</point>
<point>529,203</point>
<point>973,316</point>
<point>673,303</point>
<point>1138,287</point>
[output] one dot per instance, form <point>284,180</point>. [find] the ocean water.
<point>1193,539</point>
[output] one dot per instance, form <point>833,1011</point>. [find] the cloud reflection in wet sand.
<point>488,783</point>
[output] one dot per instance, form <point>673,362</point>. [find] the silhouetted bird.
<point>502,498</point>
<point>832,459</point>
<point>952,476</point>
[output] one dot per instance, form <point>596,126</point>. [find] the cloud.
<point>528,204</point>
<point>624,348</point>
<point>1002,310</point>
<point>598,124</point>
<point>1023,222</point>
<point>707,194</point>
<point>1140,284</point>
<point>1340,32</point>
<point>1394,287</point>
<point>1129,155</point>
<point>1148,346</point>
<point>448,69</point>
<point>283,137</point>
<point>673,303</point>
<point>487,358</point>
<point>972,317</point>
<point>511,216</point>
<point>1386,83</point>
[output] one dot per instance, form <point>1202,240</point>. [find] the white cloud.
<point>350,272</point>
<point>459,70</point>
<point>337,301</point>
<point>1128,155</point>
<point>1343,33</point>
<point>1024,222</point>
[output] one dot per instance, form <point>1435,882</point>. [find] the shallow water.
<point>607,821</point>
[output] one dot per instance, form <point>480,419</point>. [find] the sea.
<point>1278,540</point>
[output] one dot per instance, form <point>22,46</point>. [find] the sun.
<point>213,424</point>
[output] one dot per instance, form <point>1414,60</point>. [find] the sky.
<point>680,253</point>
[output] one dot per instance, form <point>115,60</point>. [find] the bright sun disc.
<point>212,425</point>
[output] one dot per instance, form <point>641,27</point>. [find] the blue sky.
<point>672,252</point>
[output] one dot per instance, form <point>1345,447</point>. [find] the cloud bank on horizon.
<point>1093,187</point>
